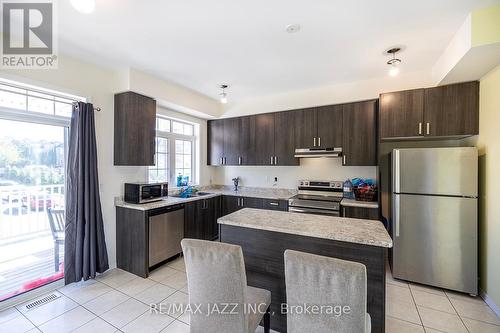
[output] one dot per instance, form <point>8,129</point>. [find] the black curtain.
<point>84,246</point>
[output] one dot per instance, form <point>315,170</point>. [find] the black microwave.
<point>139,193</point>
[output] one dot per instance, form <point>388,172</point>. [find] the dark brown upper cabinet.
<point>246,154</point>
<point>360,133</point>
<point>329,124</point>
<point>452,110</point>
<point>215,134</point>
<point>306,127</point>
<point>319,127</point>
<point>284,139</point>
<point>401,114</point>
<point>134,129</point>
<point>441,112</point>
<point>264,139</point>
<point>231,141</point>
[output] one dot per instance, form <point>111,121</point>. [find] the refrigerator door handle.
<point>397,214</point>
<point>395,168</point>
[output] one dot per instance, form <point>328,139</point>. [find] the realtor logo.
<point>28,35</point>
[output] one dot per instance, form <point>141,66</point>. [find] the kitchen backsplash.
<point>288,177</point>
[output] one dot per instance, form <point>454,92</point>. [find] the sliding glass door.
<point>32,173</point>
<point>34,128</point>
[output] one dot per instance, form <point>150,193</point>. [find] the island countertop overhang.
<point>367,232</point>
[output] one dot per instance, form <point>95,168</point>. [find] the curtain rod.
<point>98,109</point>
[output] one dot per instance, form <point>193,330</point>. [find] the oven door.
<point>314,211</point>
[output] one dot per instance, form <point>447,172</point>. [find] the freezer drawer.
<point>435,241</point>
<point>438,171</point>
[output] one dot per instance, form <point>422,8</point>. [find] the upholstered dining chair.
<point>329,282</point>
<point>216,278</point>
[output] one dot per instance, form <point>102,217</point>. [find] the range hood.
<point>318,152</point>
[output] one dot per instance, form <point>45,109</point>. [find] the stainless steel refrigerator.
<point>434,212</point>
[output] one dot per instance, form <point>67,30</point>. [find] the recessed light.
<point>292,28</point>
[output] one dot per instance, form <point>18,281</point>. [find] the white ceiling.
<point>200,44</point>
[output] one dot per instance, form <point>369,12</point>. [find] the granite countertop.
<point>255,192</point>
<point>356,203</point>
<point>367,232</point>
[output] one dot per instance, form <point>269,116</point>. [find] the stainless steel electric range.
<point>317,197</point>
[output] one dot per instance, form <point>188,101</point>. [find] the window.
<point>31,100</point>
<point>175,151</point>
<point>34,128</point>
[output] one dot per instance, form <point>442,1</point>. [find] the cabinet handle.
<point>344,160</point>
<point>275,160</point>
<point>319,141</point>
<point>271,160</point>
<point>242,202</point>
<point>419,128</point>
<point>274,204</point>
<point>343,212</point>
<point>239,160</point>
<point>314,141</point>
<point>428,128</point>
<point>238,200</point>
<point>225,160</point>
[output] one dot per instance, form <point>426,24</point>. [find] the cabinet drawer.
<point>360,213</point>
<point>274,204</point>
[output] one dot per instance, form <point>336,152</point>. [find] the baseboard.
<point>490,302</point>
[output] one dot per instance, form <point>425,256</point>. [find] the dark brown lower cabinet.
<point>232,203</point>
<point>200,219</point>
<point>275,204</point>
<point>360,213</point>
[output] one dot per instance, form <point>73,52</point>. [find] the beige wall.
<point>488,143</point>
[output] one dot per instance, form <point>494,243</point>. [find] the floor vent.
<point>42,301</point>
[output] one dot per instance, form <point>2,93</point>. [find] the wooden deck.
<point>26,271</point>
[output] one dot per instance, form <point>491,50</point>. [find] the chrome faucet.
<point>236,182</point>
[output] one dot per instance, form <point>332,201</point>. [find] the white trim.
<point>489,301</point>
<point>38,86</point>
<point>22,298</point>
<point>33,117</point>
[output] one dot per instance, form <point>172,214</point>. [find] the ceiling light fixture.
<point>394,62</point>
<point>83,6</point>
<point>223,94</point>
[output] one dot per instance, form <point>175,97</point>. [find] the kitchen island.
<point>265,235</point>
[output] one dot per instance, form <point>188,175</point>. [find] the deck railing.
<point>23,209</point>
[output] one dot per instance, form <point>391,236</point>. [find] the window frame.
<point>171,137</point>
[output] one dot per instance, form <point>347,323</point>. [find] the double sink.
<point>190,195</point>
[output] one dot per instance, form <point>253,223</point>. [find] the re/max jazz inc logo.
<point>28,35</point>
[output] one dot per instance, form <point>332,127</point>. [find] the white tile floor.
<point>413,308</point>
<point>118,301</point>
